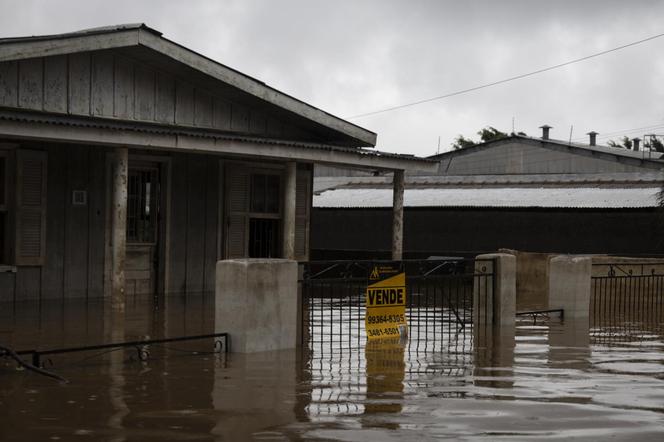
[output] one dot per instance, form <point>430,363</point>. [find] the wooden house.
<point>130,164</point>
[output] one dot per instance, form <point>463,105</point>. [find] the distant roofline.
<point>606,179</point>
<point>139,34</point>
<point>618,152</point>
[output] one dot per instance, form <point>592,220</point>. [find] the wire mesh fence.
<point>439,304</point>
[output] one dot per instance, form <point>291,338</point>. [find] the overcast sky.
<point>352,57</point>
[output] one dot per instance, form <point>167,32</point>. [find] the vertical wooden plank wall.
<point>194,224</point>
<point>177,242</point>
<point>212,201</point>
<point>76,227</point>
<point>96,221</point>
<point>52,276</point>
<point>74,264</point>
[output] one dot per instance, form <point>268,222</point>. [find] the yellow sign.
<point>386,302</point>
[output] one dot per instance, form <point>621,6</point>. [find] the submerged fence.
<point>624,293</point>
<point>439,305</point>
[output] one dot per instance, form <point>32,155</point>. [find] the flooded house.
<point>130,164</point>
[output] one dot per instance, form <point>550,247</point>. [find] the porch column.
<point>397,215</point>
<point>119,228</point>
<point>289,210</point>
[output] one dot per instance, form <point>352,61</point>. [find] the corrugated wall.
<point>520,157</point>
<point>348,232</point>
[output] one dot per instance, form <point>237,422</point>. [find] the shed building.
<point>467,215</point>
<point>130,164</point>
<point>539,195</point>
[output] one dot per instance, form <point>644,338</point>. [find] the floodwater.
<point>549,380</point>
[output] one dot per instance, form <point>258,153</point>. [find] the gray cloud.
<point>350,57</point>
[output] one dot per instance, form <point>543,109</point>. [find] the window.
<point>141,205</point>
<point>265,193</point>
<point>264,216</point>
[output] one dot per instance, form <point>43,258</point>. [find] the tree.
<point>626,143</point>
<point>656,145</point>
<point>490,134</point>
<point>486,134</point>
<point>461,142</point>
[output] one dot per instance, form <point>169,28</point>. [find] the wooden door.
<point>142,255</point>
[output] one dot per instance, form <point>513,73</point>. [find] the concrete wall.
<point>532,279</point>
<point>570,285</point>
<point>257,304</point>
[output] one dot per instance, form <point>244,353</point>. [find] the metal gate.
<point>439,306</point>
<point>627,300</point>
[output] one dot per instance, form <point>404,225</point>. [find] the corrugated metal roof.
<point>143,127</point>
<point>549,180</point>
<point>643,155</point>
<point>506,197</point>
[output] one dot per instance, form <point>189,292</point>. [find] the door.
<point>142,256</point>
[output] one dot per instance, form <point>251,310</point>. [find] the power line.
<point>506,80</point>
<point>623,132</point>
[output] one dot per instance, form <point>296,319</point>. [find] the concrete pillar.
<point>397,215</point>
<point>494,297</point>
<point>119,228</point>
<point>256,304</point>
<point>290,198</point>
<point>569,285</point>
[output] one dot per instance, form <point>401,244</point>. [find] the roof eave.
<point>95,40</point>
<point>21,49</point>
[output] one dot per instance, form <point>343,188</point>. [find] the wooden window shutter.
<point>30,207</point>
<point>237,185</point>
<point>302,213</point>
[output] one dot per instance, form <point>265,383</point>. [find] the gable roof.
<point>652,159</point>
<point>141,38</point>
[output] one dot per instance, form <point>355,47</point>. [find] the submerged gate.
<point>627,300</point>
<point>439,303</point>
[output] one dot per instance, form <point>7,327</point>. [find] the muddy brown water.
<point>553,380</point>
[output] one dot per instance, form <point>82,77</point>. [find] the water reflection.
<point>556,379</point>
<point>385,375</point>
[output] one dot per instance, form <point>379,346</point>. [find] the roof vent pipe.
<point>545,131</point>
<point>593,138</point>
<point>636,143</point>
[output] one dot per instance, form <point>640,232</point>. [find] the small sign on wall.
<point>79,198</point>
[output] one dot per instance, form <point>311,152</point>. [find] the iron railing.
<point>627,292</point>
<point>142,347</point>
<point>439,306</point>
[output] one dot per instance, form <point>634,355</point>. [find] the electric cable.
<point>506,80</point>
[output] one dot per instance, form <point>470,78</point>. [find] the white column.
<point>397,215</point>
<point>290,181</point>
<point>570,284</point>
<point>119,228</point>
